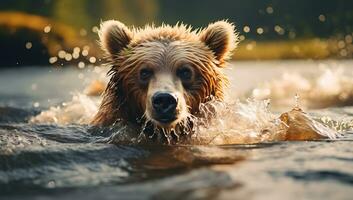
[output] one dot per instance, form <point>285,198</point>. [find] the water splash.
<point>230,122</point>
<point>221,122</point>
<point>236,122</point>
<point>297,99</point>
<point>337,125</point>
<point>252,122</point>
<point>80,110</point>
<point>332,87</point>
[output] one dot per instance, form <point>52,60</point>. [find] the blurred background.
<point>62,32</point>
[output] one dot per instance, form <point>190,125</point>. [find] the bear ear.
<point>114,36</point>
<point>221,38</point>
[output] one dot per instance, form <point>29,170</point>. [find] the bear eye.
<point>145,74</point>
<point>184,73</point>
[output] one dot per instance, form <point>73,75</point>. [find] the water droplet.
<point>51,184</point>
<point>246,29</point>
<point>77,50</point>
<point>260,30</point>
<point>343,53</point>
<point>269,10</point>
<point>97,69</point>
<point>348,39</point>
<point>92,59</point>
<point>83,32</point>
<point>81,65</point>
<point>85,52</point>
<point>95,29</point>
<point>68,57</point>
<point>61,54</point>
<point>297,97</point>
<point>322,18</point>
<point>53,59</point>
<point>292,34</point>
<point>81,76</point>
<point>36,104</point>
<point>75,55</point>
<point>341,44</point>
<point>47,29</point>
<point>28,45</point>
<point>279,30</point>
<point>249,47</point>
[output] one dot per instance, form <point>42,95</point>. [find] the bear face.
<point>162,75</point>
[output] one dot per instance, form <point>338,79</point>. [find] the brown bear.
<point>161,75</point>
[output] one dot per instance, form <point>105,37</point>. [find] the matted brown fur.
<point>162,48</point>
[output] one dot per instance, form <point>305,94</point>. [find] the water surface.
<point>72,161</point>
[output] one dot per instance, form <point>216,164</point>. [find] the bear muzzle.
<point>164,107</point>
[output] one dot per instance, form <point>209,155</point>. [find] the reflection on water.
<point>64,159</point>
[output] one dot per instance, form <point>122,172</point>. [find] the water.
<point>47,151</point>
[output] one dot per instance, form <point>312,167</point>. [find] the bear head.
<point>161,75</point>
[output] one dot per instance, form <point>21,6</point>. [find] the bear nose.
<point>164,103</point>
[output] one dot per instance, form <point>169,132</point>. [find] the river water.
<point>47,150</point>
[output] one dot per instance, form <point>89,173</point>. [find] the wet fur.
<point>127,49</point>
